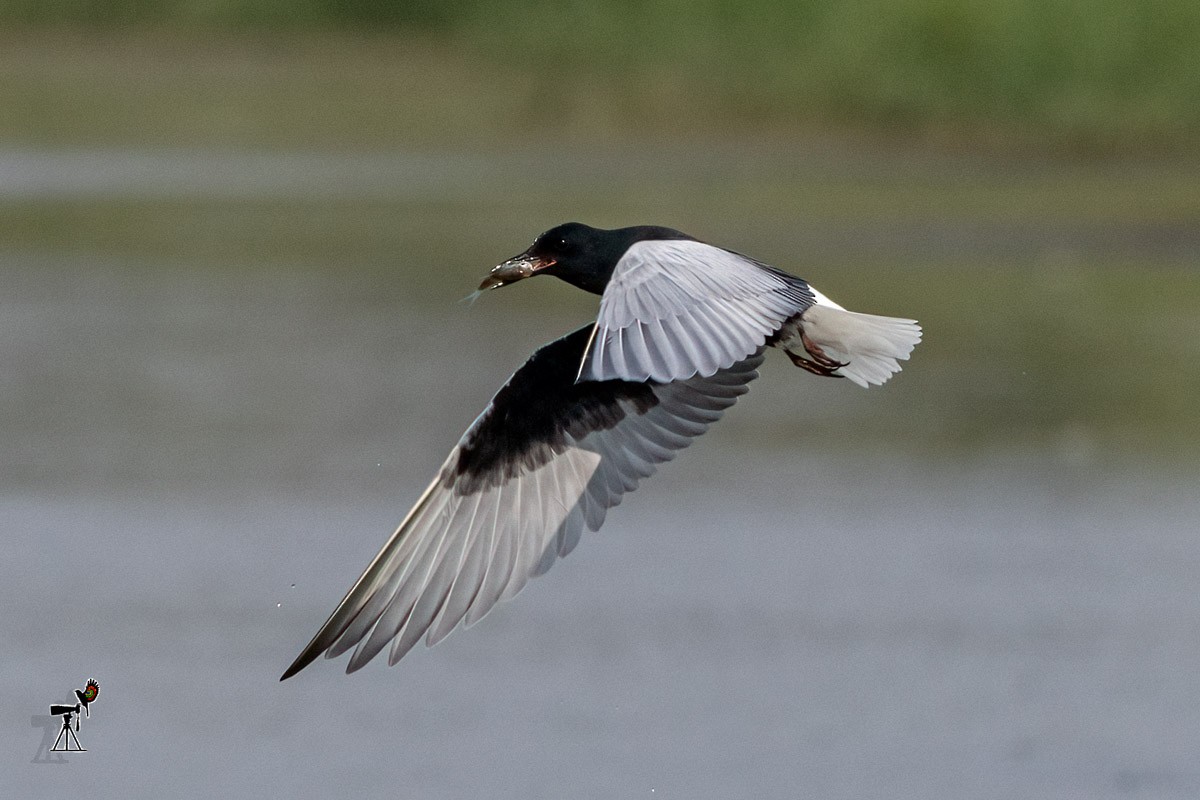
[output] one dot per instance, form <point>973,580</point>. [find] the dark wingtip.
<point>303,660</point>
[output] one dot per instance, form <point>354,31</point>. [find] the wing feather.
<point>676,308</point>
<point>469,578</point>
<point>543,463</point>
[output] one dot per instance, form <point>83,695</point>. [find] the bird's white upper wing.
<point>545,460</point>
<point>678,308</point>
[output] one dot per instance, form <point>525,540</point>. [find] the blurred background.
<point>233,239</point>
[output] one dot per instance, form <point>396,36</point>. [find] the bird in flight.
<point>681,331</point>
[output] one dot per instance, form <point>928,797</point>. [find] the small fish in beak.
<point>515,269</point>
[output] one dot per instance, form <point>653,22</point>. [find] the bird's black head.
<point>578,254</point>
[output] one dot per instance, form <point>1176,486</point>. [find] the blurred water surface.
<point>199,458</point>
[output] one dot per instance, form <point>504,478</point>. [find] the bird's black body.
<point>585,257</point>
<point>530,418</point>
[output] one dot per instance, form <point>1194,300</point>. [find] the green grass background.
<point>1081,75</point>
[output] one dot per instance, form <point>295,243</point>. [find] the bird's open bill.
<point>515,269</point>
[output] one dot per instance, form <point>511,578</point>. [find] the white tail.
<point>871,346</point>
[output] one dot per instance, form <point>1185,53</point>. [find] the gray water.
<point>197,463</point>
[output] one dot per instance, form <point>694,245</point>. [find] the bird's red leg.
<point>819,355</point>
<point>812,366</point>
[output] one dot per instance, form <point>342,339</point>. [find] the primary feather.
<point>544,462</point>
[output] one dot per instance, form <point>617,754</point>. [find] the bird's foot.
<point>818,355</point>
<point>813,367</point>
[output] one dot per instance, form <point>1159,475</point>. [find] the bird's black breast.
<point>530,418</point>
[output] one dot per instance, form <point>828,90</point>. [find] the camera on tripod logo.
<point>86,697</point>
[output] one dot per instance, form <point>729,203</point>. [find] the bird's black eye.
<point>553,244</point>
<point>557,243</point>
